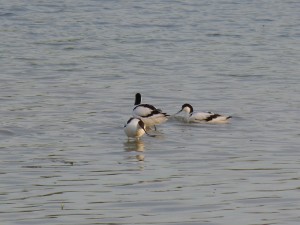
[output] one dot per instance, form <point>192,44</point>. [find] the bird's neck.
<point>138,100</point>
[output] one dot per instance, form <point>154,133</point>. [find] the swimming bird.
<point>135,128</point>
<point>206,117</point>
<point>149,114</point>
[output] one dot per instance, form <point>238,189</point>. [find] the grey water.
<point>69,71</point>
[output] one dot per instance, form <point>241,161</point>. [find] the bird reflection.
<point>140,157</point>
<point>135,146</point>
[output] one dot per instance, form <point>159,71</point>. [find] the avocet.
<point>135,128</point>
<point>149,114</point>
<point>207,117</point>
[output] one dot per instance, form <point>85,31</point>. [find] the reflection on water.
<point>136,145</point>
<point>140,157</point>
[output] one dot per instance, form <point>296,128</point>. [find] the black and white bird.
<point>207,117</point>
<point>135,128</point>
<point>150,115</point>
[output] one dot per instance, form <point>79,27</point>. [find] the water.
<point>69,73</point>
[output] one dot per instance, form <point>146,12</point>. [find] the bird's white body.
<point>135,128</point>
<point>202,117</point>
<point>150,115</point>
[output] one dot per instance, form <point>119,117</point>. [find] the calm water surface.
<point>69,72</point>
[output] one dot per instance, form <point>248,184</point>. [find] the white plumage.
<point>205,117</point>
<point>150,115</point>
<point>134,128</point>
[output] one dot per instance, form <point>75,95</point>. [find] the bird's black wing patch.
<point>155,112</point>
<point>146,106</point>
<point>211,117</point>
<point>141,124</point>
<point>129,120</point>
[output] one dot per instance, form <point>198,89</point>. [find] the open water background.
<point>69,73</point>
